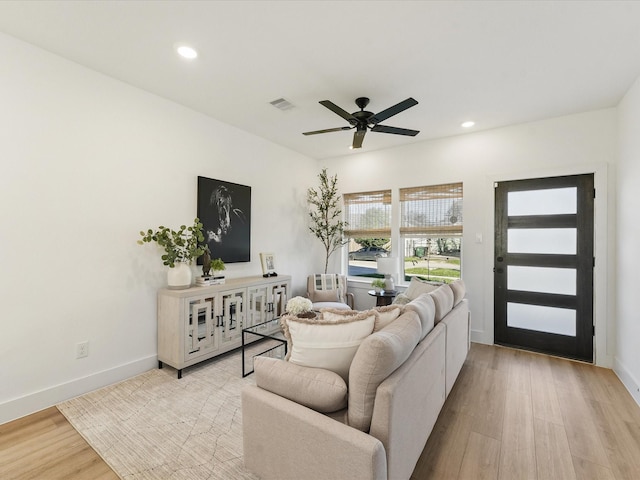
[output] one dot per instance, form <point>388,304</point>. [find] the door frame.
<point>603,309</point>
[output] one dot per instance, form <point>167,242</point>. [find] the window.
<point>368,217</point>
<point>431,231</point>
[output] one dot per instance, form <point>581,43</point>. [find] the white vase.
<point>180,276</point>
<point>389,285</point>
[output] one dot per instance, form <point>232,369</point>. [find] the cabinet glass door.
<point>201,333</point>
<point>233,315</point>
<point>258,307</point>
<point>278,300</point>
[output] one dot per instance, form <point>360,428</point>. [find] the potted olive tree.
<point>180,248</point>
<point>325,214</point>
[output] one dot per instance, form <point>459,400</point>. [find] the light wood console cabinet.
<point>198,323</point>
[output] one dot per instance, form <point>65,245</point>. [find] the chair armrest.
<point>284,440</point>
<point>350,299</point>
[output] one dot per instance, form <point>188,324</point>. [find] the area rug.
<point>154,426</point>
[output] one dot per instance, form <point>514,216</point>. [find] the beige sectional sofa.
<point>308,423</point>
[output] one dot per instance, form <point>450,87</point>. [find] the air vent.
<point>282,104</point>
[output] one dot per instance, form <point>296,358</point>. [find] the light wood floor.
<point>519,415</point>
<point>511,415</point>
<point>44,446</point>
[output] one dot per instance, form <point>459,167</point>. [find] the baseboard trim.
<point>627,379</point>
<point>34,402</point>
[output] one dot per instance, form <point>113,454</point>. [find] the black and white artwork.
<point>224,208</point>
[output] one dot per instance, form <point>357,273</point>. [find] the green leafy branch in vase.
<point>182,245</point>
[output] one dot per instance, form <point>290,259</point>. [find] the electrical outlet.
<point>82,349</point>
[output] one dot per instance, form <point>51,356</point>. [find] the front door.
<point>543,265</point>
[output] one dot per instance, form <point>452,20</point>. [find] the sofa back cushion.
<point>459,291</point>
<point>425,307</point>
<point>443,300</point>
<point>378,356</point>
<point>417,287</point>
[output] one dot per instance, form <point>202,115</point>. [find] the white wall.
<point>86,162</point>
<point>627,361</point>
<point>573,144</point>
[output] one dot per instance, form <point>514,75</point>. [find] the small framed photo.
<point>268,264</point>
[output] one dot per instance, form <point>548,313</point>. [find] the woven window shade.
<point>434,211</point>
<point>368,214</point>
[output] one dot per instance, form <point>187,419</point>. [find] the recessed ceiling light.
<point>468,124</point>
<point>186,52</point>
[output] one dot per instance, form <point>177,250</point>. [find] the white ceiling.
<point>498,63</point>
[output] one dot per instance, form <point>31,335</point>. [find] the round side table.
<point>383,297</point>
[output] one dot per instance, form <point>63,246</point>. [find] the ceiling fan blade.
<point>358,137</point>
<point>391,111</point>
<point>395,130</point>
<point>336,109</point>
<point>327,130</point>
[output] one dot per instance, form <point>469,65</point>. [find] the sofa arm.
<point>284,440</point>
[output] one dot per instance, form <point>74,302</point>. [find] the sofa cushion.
<point>425,307</point>
<point>417,287</point>
<point>321,390</point>
<point>386,315</point>
<point>379,355</point>
<point>443,299</point>
<point>329,341</point>
<point>459,291</point>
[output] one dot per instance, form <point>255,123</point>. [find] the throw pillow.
<point>326,296</point>
<point>330,341</point>
<point>401,299</point>
<point>417,287</point>
<point>386,315</point>
<point>321,390</point>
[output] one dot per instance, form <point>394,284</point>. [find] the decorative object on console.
<point>325,215</point>
<point>217,265</point>
<point>206,261</point>
<point>225,211</point>
<point>268,262</point>
<point>181,247</point>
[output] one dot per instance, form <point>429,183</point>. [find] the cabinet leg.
<point>179,374</point>
<point>160,364</point>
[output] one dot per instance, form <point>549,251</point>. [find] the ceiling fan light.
<point>467,124</point>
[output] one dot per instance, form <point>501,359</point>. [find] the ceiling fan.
<point>364,120</point>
